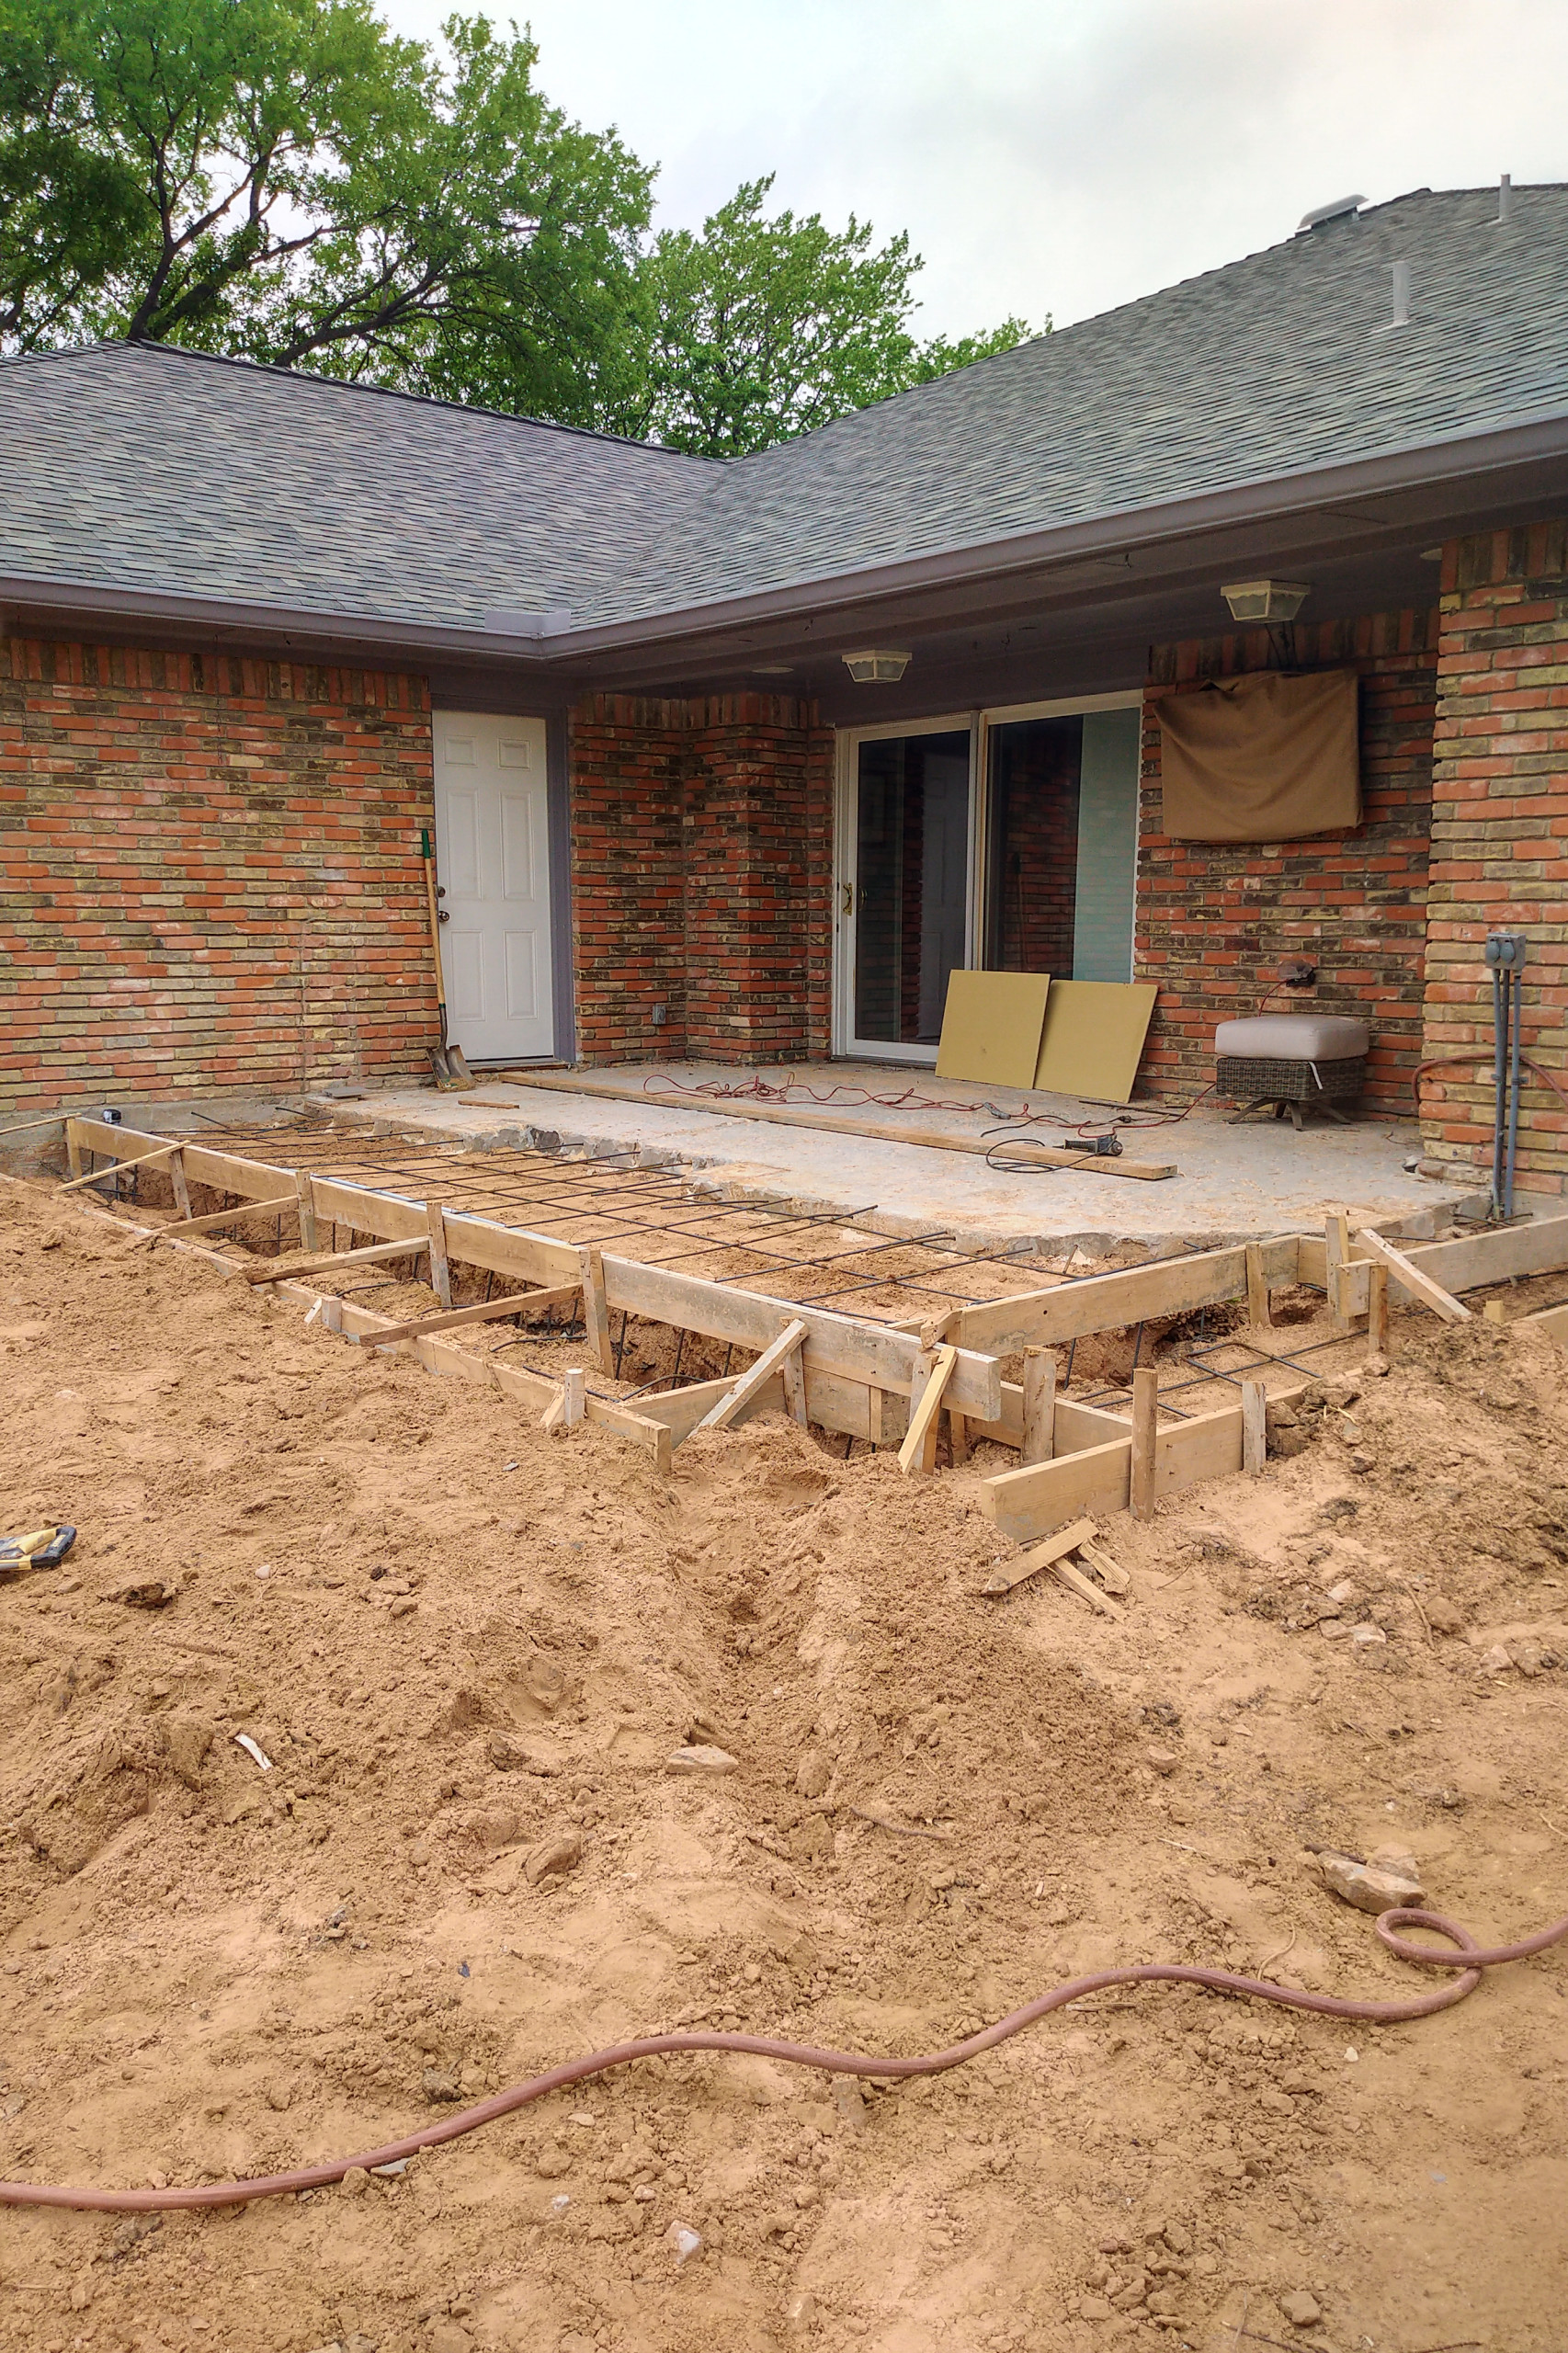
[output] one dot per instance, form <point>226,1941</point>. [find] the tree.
<point>287,180</point>
<point>765,328</point>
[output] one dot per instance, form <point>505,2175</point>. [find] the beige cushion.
<point>1293,1038</point>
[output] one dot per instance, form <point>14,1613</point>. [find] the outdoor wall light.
<point>876,666</point>
<point>1265,600</point>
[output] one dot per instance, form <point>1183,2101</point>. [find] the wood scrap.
<point>1086,1590</point>
<point>1040,1556</point>
<point>119,1168</point>
<point>270,1204</point>
<point>782,1115</point>
<point>440,1272</point>
<point>1112,1573</point>
<point>1254,1429</point>
<point>1145,1439</point>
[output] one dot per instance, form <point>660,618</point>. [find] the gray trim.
<point>563,963</point>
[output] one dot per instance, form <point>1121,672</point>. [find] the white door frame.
<point>846,835</point>
<point>846,878</point>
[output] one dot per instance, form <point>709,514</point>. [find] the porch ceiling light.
<point>1265,600</point>
<point>876,666</point>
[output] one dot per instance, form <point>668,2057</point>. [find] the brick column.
<point>1500,834</point>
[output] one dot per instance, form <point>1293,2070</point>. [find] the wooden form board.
<point>1032,1501</point>
<point>992,1026</point>
<point>1093,1040</point>
<point>1071,1311</point>
<point>876,1355</point>
<point>1468,1264</point>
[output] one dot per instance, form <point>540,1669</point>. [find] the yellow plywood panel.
<point>1094,1038</point>
<point>990,1027</point>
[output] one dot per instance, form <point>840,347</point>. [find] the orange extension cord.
<point>1468,1958</point>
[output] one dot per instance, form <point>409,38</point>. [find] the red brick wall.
<point>210,875</point>
<point>1500,834</point>
<point>701,877</point>
<point>1215,921</point>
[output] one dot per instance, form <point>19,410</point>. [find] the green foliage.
<point>289,181</point>
<point>763,328</point>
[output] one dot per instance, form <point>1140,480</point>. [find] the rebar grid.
<point>609,1200</point>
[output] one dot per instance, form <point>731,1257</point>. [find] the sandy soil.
<point>461,1642</point>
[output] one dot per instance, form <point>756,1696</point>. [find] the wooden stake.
<point>1255,1427</point>
<point>756,1376</point>
<point>1336,1255</point>
<point>1039,1405</point>
<point>795,1388</point>
<point>307,1202</point>
<point>1378,1310</point>
<point>595,1309</point>
<point>1112,1573</point>
<point>1493,1311</point>
<point>958,1438</point>
<point>1145,1430</point>
<point>441,1273</point>
<point>919,1448</point>
<point>72,1151</point>
<point>1258,1311</point>
<point>570,1408</point>
<point>176,1180</point>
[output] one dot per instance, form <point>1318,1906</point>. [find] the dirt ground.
<point>466,1645</point>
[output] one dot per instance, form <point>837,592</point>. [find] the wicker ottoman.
<point>1294,1061</point>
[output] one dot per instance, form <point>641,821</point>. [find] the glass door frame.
<point>845,838</point>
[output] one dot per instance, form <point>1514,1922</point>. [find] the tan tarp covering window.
<point>1261,759</point>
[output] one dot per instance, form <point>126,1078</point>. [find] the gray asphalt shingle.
<point>135,466</point>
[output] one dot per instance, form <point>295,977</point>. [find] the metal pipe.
<point>1517,980</point>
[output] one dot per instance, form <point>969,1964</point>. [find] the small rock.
<point>1397,1859</point>
<point>151,1593</point>
<point>1527,1655</point>
<point>551,2163</point>
<point>1368,1889</point>
<point>553,1858</point>
<point>1367,1636</point>
<point>355,2182</point>
<point>1496,1661</point>
<point>800,2314</point>
<point>439,2086</point>
<point>446,2336</point>
<point>702,1760</point>
<point>1345,1594</point>
<point>1164,1760</point>
<point>81,2295</point>
<point>1442,1615</point>
<point>683,2243</point>
<point>1362,1464</point>
<point>850,2102</point>
<point>813,1772</point>
<point>1299,2309</point>
<point>1094,2308</point>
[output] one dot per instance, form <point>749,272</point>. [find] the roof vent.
<point>1340,210</point>
<point>510,622</point>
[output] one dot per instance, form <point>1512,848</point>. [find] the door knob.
<point>441,915</point>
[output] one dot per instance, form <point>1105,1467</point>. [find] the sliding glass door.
<point>904,893</point>
<point>1006,839</point>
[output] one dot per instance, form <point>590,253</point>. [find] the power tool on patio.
<point>42,1548</point>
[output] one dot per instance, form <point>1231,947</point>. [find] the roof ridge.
<point>344,385</point>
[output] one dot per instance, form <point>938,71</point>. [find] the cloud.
<point>1060,156</point>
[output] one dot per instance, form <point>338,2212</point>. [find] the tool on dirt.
<point>1467,1958</point>
<point>42,1548</point>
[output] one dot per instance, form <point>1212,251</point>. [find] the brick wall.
<point>702,834</point>
<point>210,875</point>
<point>1500,834</point>
<point>1216,920</point>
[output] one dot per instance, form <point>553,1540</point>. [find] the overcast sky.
<point>1058,156</point>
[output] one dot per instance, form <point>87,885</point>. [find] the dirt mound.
<point>468,1653</point>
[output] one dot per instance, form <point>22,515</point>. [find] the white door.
<point>493,864</point>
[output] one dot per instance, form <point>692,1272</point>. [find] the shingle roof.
<point>136,466</point>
